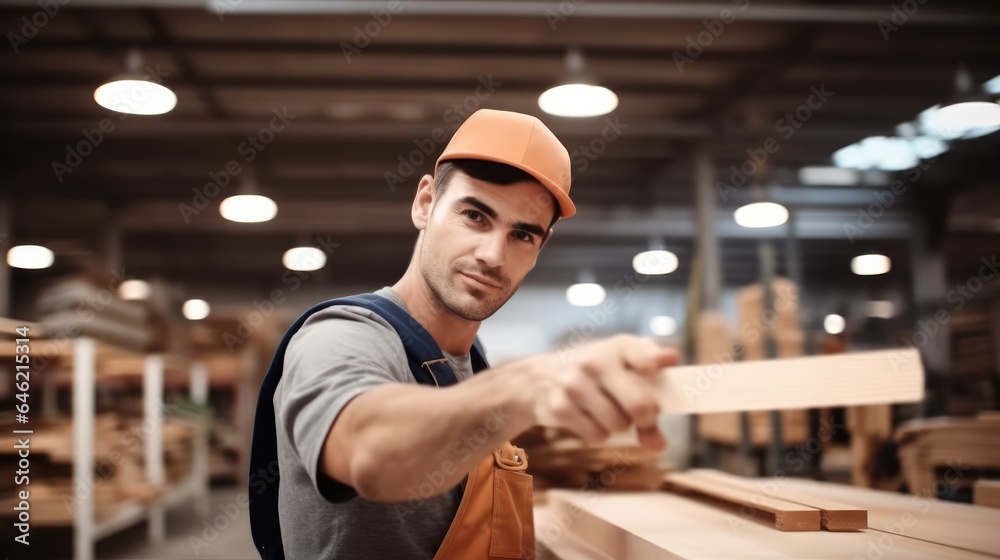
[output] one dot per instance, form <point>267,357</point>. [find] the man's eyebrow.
<point>485,209</point>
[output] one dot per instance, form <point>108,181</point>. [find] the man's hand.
<point>601,388</point>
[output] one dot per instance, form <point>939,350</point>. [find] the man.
<point>357,435</point>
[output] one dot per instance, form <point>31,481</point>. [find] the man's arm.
<point>392,439</point>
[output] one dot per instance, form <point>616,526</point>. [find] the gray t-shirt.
<point>339,353</point>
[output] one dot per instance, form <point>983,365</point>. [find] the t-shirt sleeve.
<point>337,355</point>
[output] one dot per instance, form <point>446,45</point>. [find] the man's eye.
<point>523,236</point>
<point>473,215</point>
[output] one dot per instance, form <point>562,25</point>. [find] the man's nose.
<point>491,249</point>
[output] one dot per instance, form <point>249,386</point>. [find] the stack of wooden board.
<point>791,511</point>
<point>986,493</point>
<point>556,459</point>
<point>953,446</point>
<point>651,525</point>
<point>714,347</point>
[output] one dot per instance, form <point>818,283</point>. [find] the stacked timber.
<point>936,451</point>
<point>714,346</point>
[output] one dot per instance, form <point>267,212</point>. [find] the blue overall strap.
<point>427,364</point>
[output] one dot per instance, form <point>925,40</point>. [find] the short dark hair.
<point>489,171</point>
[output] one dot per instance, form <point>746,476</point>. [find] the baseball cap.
<point>518,140</point>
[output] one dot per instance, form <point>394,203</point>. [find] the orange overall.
<point>494,518</point>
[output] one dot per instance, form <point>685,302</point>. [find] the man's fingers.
<point>646,357</point>
<point>635,396</point>
<point>652,439</point>
<point>590,397</point>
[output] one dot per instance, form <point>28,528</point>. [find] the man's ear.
<point>423,202</point>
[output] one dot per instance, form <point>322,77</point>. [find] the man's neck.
<point>452,333</point>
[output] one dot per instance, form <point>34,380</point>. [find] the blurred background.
<point>182,178</point>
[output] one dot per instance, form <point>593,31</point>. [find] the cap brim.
<point>566,207</point>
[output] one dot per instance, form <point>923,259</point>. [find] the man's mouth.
<point>481,280</point>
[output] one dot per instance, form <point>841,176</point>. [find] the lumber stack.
<point>754,326</point>
<point>790,510</point>
<point>958,445</point>
<point>649,525</point>
<point>557,459</point>
<point>986,493</point>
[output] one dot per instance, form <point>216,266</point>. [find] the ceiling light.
<point>992,87</point>
<point>248,208</point>
<point>761,215</point>
<point>880,309</point>
<point>827,175</point>
<point>834,324</point>
<point>851,157</point>
<point>655,262</point>
<point>889,153</point>
<point>30,257</point>
<point>578,96</point>
<point>969,109</point>
<point>195,309</point>
<point>870,265</point>
<point>585,294</point>
<point>932,125</point>
<point>134,93</point>
<point>663,325</point>
<point>304,258</point>
<point>134,290</point>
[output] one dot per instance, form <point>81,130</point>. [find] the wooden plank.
<point>880,377</point>
<point>788,516</point>
<point>986,493</point>
<point>963,526</point>
<point>661,525</point>
<point>834,515</point>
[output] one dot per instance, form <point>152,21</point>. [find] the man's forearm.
<point>405,441</point>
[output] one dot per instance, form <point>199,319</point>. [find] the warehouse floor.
<point>188,535</point>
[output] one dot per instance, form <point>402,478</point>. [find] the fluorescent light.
<point>834,324</point>
<point>655,262</point>
<point>195,309</point>
<point>135,97</point>
<point>30,257</point>
<point>578,100</point>
<point>828,175</point>
<point>761,215</point>
<point>992,87</point>
<point>303,258</point>
<point>585,294</point>
<point>663,325</point>
<point>134,290</point>
<point>248,208</point>
<point>932,124</point>
<point>851,157</point>
<point>880,309</point>
<point>965,116</point>
<point>889,153</point>
<point>870,265</point>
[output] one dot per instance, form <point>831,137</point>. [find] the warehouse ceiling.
<point>362,86</point>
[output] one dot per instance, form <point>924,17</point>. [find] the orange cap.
<point>518,140</point>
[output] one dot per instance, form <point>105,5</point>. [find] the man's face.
<point>481,240</point>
